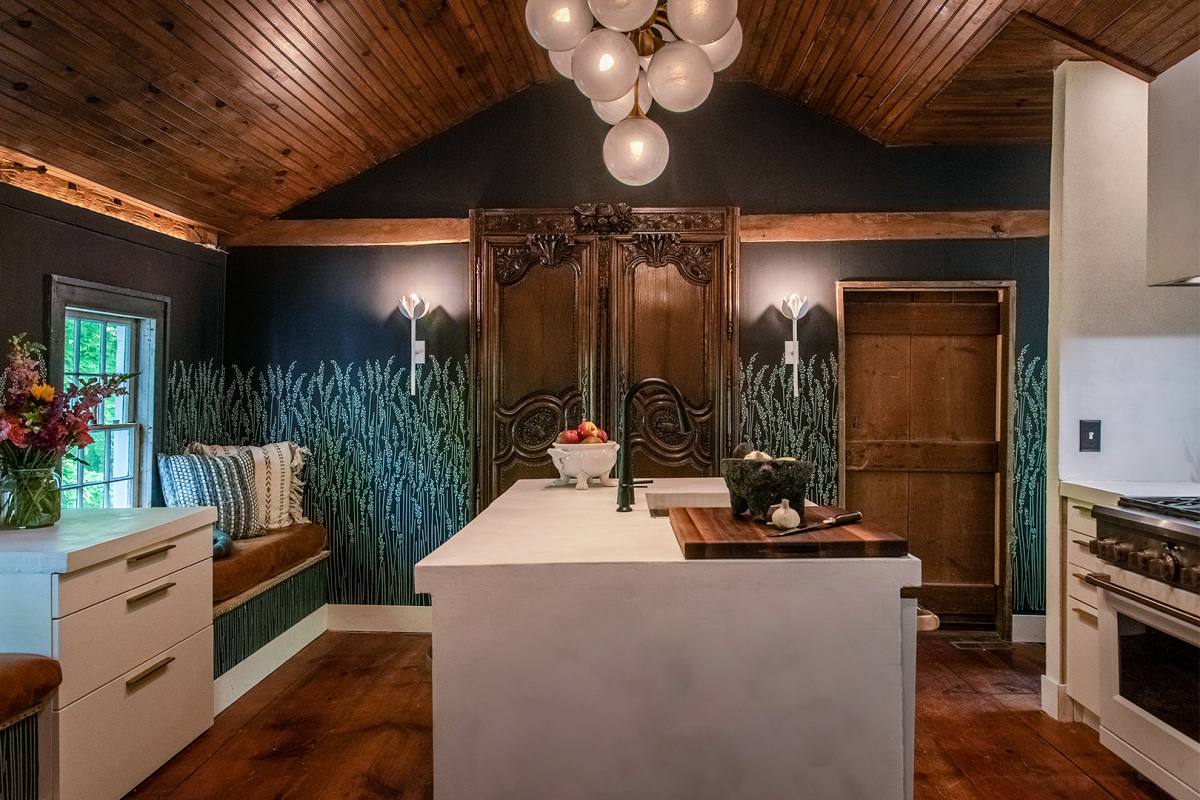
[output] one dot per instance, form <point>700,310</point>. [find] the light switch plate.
<point>1089,436</point>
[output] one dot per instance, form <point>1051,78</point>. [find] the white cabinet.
<point>123,600</point>
<point>1082,643</point>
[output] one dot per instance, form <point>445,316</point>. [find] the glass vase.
<point>31,498</point>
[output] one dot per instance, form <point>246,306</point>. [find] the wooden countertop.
<point>715,533</point>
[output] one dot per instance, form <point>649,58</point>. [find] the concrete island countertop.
<point>1102,492</point>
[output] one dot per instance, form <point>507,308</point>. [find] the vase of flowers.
<point>39,427</point>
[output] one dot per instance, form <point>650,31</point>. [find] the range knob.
<point>1106,549</point>
<point>1096,546</point>
<point>1190,577</point>
<point>1141,559</point>
<point>1165,568</point>
<point>1123,551</point>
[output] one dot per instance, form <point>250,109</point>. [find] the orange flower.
<point>43,392</point>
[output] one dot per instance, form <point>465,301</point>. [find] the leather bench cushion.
<point>25,681</point>
<point>263,557</point>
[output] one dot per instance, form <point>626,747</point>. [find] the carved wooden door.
<point>673,320</point>
<point>572,307</point>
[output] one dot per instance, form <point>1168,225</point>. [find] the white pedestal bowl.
<point>584,462</point>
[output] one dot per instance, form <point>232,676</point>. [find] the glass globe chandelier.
<point>625,55</point>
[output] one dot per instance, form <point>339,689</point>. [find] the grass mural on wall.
<point>804,427</point>
<point>1029,487</point>
<point>389,475</point>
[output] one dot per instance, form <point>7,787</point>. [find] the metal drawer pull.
<point>142,556</point>
<point>1086,509</point>
<point>146,595</point>
<point>1087,615</point>
<point>1081,576</point>
<point>145,675</point>
<point>1101,580</point>
<point>1081,542</point>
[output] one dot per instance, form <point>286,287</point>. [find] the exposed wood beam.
<point>354,232</point>
<point>849,227</point>
<point>1084,46</point>
<point>895,225</point>
<point>17,169</point>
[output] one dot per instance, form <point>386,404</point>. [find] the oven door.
<point>1150,686</point>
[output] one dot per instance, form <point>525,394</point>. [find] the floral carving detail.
<point>544,249</point>
<point>694,261</point>
<point>537,429</point>
<point>604,218</point>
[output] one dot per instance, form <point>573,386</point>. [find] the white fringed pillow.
<point>277,484</point>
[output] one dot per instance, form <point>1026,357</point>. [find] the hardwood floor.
<point>350,717</point>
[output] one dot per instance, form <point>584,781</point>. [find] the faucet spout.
<point>624,457</point>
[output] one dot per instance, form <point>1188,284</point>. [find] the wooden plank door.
<point>925,433</point>
<point>536,351</point>
<point>672,317</point>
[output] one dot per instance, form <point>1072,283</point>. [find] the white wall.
<point>1173,250</point>
<point>1127,354</point>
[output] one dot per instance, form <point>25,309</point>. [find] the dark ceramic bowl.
<point>758,485</point>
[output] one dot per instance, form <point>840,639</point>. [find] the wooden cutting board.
<point>716,533</point>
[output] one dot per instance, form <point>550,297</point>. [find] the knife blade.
<point>831,522</point>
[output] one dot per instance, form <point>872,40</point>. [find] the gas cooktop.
<point>1181,507</point>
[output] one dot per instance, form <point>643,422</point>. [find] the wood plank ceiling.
<point>229,112</point>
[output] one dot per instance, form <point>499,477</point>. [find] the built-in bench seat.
<point>258,560</point>
<point>25,683</point>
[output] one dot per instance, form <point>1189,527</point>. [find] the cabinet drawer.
<point>104,640</point>
<point>1083,655</point>
<point>111,740</point>
<point>1080,559</point>
<point>77,590</point>
<point>1079,518</point>
<point>1078,588</point>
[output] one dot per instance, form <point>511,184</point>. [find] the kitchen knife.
<point>831,522</point>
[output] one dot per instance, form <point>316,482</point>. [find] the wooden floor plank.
<point>351,717</point>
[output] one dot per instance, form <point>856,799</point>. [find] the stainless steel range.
<point>1149,619</point>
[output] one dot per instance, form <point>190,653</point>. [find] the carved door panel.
<point>536,359</point>
<point>672,321</point>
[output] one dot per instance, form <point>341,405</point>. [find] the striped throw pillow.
<point>225,482</point>
<point>277,484</point>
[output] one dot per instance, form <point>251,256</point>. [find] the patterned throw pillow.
<point>277,483</point>
<point>224,482</point>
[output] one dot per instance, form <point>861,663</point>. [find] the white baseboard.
<point>1055,700</point>
<point>1029,628</point>
<point>247,673</point>
<point>389,619</point>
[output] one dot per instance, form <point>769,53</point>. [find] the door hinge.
<point>729,329</point>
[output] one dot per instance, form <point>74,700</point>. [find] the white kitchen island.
<point>578,655</point>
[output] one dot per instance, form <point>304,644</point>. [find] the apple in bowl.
<point>584,453</point>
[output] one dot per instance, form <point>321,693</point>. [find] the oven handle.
<point>1101,581</point>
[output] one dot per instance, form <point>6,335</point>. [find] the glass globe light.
<point>561,61</point>
<point>680,76</point>
<point>636,151</point>
<point>622,15</point>
<point>558,25</point>
<point>605,65</point>
<point>701,21</point>
<point>724,51</point>
<point>616,110</point>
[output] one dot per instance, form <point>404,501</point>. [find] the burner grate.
<point>1181,507</point>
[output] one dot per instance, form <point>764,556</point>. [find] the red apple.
<point>586,429</point>
<point>603,436</point>
<point>569,436</point>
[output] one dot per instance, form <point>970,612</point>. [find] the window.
<point>96,331</point>
<point>97,345</point>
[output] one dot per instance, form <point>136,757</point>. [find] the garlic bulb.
<point>785,516</point>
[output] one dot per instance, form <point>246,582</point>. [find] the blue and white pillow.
<point>222,481</point>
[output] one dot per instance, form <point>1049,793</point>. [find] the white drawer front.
<point>102,641</point>
<point>111,740</point>
<point>1080,559</point>
<point>1083,655</point>
<point>1079,518</point>
<point>1078,588</point>
<point>77,590</point>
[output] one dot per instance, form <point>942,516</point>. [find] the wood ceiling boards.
<point>229,112</point>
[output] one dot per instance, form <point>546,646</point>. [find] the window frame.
<point>150,355</point>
